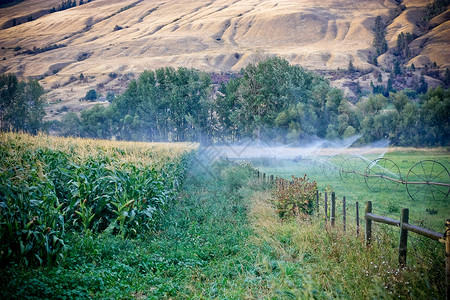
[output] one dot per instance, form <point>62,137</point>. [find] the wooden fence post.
<point>326,207</point>
<point>258,174</point>
<point>403,247</point>
<point>368,234</point>
<point>333,208</point>
<point>317,201</point>
<point>264,177</point>
<point>357,218</point>
<point>343,213</point>
<point>447,255</point>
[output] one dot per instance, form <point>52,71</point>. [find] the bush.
<point>91,95</point>
<point>295,197</point>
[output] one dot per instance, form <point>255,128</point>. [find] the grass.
<point>199,241</point>
<point>423,254</point>
<point>317,261</point>
<point>387,200</point>
<point>221,238</point>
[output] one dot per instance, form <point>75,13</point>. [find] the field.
<point>388,197</point>
<point>217,237</point>
<point>51,187</point>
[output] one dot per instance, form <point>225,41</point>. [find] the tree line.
<point>66,4</point>
<point>270,100</point>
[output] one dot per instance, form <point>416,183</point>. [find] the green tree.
<point>166,104</point>
<point>372,105</point>
<point>380,77</point>
<point>21,104</point>
<point>91,95</point>
<point>70,125</point>
<point>446,78</point>
<point>435,117</point>
<point>422,86</point>
<point>224,105</point>
<point>379,40</point>
<point>351,67</point>
<point>94,123</point>
<point>400,100</point>
<point>275,100</point>
<point>407,132</point>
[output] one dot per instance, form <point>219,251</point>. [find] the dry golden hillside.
<point>105,38</point>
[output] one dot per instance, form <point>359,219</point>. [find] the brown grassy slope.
<point>429,47</point>
<point>222,35</point>
<point>28,8</point>
<point>195,33</point>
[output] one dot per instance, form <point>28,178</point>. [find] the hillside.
<point>112,41</point>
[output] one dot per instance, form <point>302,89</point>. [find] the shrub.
<point>91,95</point>
<point>295,197</point>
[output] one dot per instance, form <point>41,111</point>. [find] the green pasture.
<point>429,208</point>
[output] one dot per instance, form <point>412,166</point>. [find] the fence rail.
<point>370,217</point>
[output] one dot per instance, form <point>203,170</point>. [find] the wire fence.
<point>354,218</point>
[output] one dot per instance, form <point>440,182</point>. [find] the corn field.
<point>50,187</point>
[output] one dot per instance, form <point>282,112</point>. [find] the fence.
<point>370,217</point>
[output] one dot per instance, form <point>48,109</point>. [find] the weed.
<point>294,197</point>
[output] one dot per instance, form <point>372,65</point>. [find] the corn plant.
<point>49,186</point>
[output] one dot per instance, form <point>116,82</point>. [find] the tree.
<point>447,77</point>
<point>110,95</point>
<point>21,104</point>
<point>70,125</point>
<point>351,67</point>
<point>422,86</point>
<point>372,105</point>
<point>275,100</point>
<point>166,105</point>
<point>397,68</point>
<point>379,40</point>
<point>91,95</point>
<point>390,84</point>
<point>400,100</point>
<point>95,124</point>
<point>435,117</point>
<point>380,77</point>
<point>374,61</point>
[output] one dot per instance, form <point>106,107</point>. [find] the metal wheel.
<point>332,165</point>
<point>382,174</point>
<point>428,180</point>
<point>319,161</point>
<point>352,170</point>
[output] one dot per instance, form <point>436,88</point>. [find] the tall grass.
<point>317,261</point>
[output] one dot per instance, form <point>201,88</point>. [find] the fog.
<point>311,148</point>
